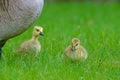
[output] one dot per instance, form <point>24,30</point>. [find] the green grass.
<point>96,25</point>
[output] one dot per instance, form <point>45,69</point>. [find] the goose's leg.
<point>0,52</point>
<point>1,45</point>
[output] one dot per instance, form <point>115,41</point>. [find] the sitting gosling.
<point>75,52</point>
<point>32,46</point>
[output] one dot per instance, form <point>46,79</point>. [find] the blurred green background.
<point>96,25</point>
<point>82,0</point>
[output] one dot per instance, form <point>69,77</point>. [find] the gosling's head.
<point>38,30</point>
<point>75,44</point>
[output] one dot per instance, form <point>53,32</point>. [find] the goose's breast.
<point>17,15</point>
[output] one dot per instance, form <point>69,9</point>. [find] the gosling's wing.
<point>23,47</point>
<point>83,52</point>
<point>67,50</point>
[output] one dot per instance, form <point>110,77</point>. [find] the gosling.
<point>75,52</point>
<point>32,46</point>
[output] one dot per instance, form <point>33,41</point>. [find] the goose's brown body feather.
<point>17,15</point>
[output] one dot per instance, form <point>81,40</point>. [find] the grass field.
<point>96,25</point>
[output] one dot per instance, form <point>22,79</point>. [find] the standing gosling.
<point>75,52</point>
<point>33,45</point>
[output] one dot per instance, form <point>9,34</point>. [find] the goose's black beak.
<point>73,48</point>
<point>41,33</point>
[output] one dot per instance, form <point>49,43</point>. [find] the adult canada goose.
<point>16,16</point>
<point>75,52</point>
<point>32,46</point>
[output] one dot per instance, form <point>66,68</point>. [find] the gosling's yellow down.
<point>33,45</point>
<point>75,52</point>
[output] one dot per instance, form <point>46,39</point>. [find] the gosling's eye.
<point>37,30</point>
<point>76,45</point>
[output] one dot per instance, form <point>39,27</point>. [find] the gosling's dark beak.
<point>41,33</point>
<point>73,48</point>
